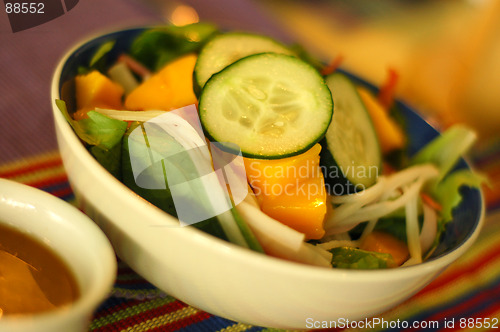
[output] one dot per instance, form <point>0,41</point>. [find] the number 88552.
<point>24,7</point>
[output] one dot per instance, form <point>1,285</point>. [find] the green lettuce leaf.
<point>447,192</point>
<point>353,258</point>
<point>157,46</point>
<point>98,60</point>
<point>153,173</point>
<point>446,150</point>
<point>109,159</point>
<point>98,129</point>
<point>104,49</point>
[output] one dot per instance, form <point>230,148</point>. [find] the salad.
<point>322,160</point>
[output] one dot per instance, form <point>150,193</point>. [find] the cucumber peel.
<point>351,156</point>
<point>270,105</point>
<point>225,49</point>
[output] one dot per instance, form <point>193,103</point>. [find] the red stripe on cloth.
<point>487,257</point>
<point>125,270</point>
<point>488,313</point>
<point>457,309</point>
<point>61,178</point>
<point>138,280</point>
<point>141,317</point>
<point>492,195</point>
<point>329,330</point>
<point>181,323</point>
<point>31,168</point>
<point>121,306</point>
<point>492,169</point>
<point>62,192</point>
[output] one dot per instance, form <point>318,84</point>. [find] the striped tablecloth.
<point>468,289</point>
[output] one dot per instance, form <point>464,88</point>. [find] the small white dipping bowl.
<point>221,278</point>
<point>73,237</point>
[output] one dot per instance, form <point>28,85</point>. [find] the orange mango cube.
<point>168,89</point>
<point>96,90</point>
<point>386,243</point>
<point>390,134</point>
<point>291,190</point>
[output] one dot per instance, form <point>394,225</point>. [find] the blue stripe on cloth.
<point>492,298</point>
<point>68,197</point>
<point>213,323</point>
<point>112,302</point>
<point>140,285</point>
<point>492,287</point>
<point>56,186</point>
<point>53,188</point>
<point>494,207</point>
<point>255,329</point>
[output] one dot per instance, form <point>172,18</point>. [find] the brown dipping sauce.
<point>32,277</point>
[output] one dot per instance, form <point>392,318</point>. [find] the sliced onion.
<point>121,74</point>
<point>307,254</point>
<point>269,231</point>
<point>338,243</point>
<point>368,229</point>
<point>429,228</point>
<point>281,241</point>
<point>321,251</point>
<point>411,174</point>
<point>412,228</point>
<point>362,198</point>
<point>353,214</point>
<point>378,210</point>
<point>140,116</point>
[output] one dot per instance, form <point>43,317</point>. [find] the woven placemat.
<point>468,289</point>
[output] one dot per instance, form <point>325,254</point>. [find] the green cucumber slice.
<point>161,198</point>
<point>146,145</point>
<point>270,105</point>
<point>227,48</point>
<point>351,153</point>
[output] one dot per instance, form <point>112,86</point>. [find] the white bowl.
<point>219,277</point>
<point>76,239</point>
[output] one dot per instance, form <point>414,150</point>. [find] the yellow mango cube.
<point>291,190</point>
<point>168,89</point>
<point>390,134</point>
<point>96,90</point>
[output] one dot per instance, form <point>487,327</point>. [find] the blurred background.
<point>446,55</point>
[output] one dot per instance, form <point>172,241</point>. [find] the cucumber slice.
<point>351,154</point>
<point>270,105</point>
<point>161,198</point>
<point>145,168</point>
<point>223,50</point>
